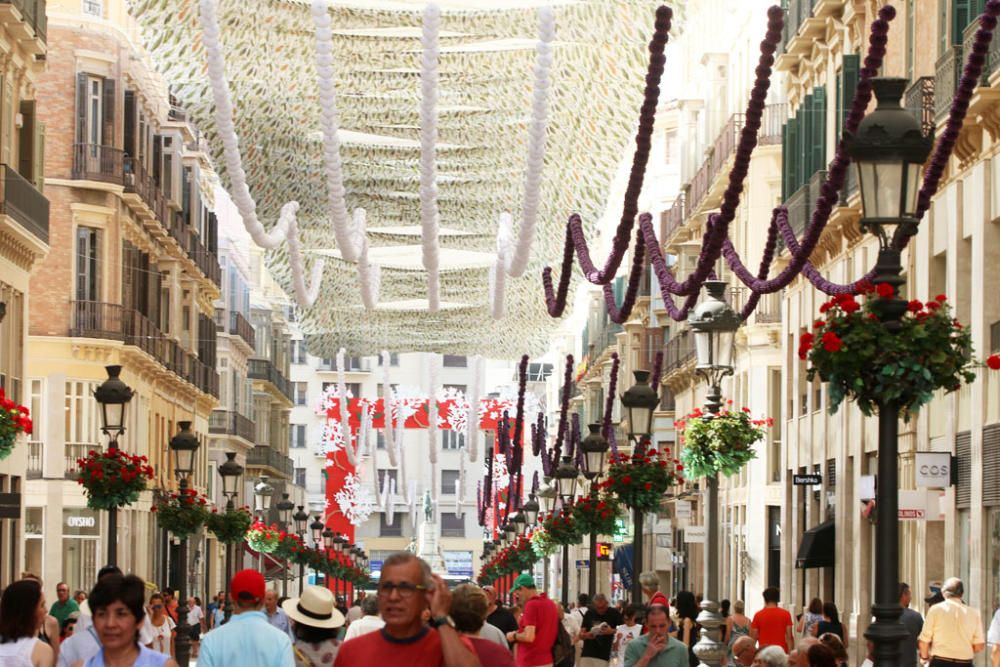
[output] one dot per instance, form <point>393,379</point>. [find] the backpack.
<point>563,646</point>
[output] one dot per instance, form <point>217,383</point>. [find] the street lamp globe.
<point>230,471</point>
<point>889,149</point>
<point>113,396</point>
<point>530,510</point>
<point>714,323</point>
<point>184,445</point>
<point>595,447</point>
<point>328,538</point>
<point>285,507</point>
<point>317,527</point>
<point>547,492</point>
<point>262,493</point>
<point>339,541</point>
<point>520,524</point>
<point>510,531</point>
<point>566,476</point>
<point>300,517</point>
<point>640,401</point>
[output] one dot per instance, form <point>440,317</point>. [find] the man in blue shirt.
<point>248,639</point>
<point>276,616</point>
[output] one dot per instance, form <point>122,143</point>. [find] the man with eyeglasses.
<point>406,590</point>
<point>63,606</point>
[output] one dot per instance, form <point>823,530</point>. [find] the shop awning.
<point>816,547</point>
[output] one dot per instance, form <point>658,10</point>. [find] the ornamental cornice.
<point>18,253</point>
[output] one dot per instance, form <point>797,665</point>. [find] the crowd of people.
<point>415,619</point>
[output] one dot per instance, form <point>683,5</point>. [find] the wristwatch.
<point>438,621</point>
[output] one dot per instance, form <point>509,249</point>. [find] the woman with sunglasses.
<point>160,626</point>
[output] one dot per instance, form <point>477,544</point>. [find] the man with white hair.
<point>800,652</point>
<point>953,632</point>
<point>772,656</point>
<point>744,649</point>
<point>598,632</point>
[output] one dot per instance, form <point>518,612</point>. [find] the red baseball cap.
<point>248,584</point>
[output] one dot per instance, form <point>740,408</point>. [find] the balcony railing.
<point>351,365</point>
<point>919,100</point>
<point>263,369</point>
<point>94,319</point>
<point>23,202</point>
<point>948,72</point>
<point>674,217</point>
<point>262,455</point>
<point>602,337</point>
<point>34,14</point>
<point>678,351</point>
<point>240,326</point>
<point>92,162</point>
<point>231,422</point>
<point>36,455</point>
<point>73,451</point>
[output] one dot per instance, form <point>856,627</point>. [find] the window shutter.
<point>991,465</point>
<point>794,129</point>
<point>963,450</point>
<point>108,127</point>
<point>128,267</point>
<point>805,141</point>
<point>38,158</point>
<point>961,16</point>
<point>81,108</point>
<point>849,72</point>
<point>785,162</point>
<point>818,160</point>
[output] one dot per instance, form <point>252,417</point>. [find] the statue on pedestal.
<point>428,507</point>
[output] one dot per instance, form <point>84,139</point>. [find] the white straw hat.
<point>315,608</point>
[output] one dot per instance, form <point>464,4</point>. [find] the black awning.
<point>817,546</point>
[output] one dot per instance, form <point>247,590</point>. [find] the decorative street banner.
<point>351,494</point>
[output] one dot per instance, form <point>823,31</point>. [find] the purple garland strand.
<point>620,315</point>
<point>609,403</point>
<point>479,503</point>
<point>573,449</point>
<point>657,369</point>
<point>522,383</point>
<point>959,106</point>
<point>534,483</point>
<point>563,413</point>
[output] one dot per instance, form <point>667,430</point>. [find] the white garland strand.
<point>433,362</point>
<point>345,415</point>
<point>428,139</point>
<point>387,401</point>
<point>460,487</point>
<point>390,510</point>
<point>411,499</point>
<point>287,227</point>
<point>514,262</point>
<point>365,432</point>
<point>472,422</point>
<point>370,275</point>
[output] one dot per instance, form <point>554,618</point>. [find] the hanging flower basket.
<point>288,545</point>
<point>641,480</point>
<point>561,527</point>
<point>229,527</point>
<point>721,443</point>
<point>596,513</point>
<point>14,419</point>
<point>542,544</point>
<point>861,360</point>
<point>113,478</point>
<point>182,513</point>
<point>263,539</point>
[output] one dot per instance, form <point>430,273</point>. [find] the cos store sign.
<point>933,470</point>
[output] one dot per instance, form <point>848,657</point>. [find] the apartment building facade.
<point>132,281</point>
<point>24,242</point>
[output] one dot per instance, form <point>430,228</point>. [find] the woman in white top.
<point>160,626</point>
<point>22,612</point>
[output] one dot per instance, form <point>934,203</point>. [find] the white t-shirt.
<point>195,614</point>
<point>993,635</point>
<point>623,635</point>
<point>159,637</point>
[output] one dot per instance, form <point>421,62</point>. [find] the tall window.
<point>299,391</point>
<point>300,477</point>
<point>95,109</point>
<point>449,478</point>
<point>298,436</point>
<point>452,439</point>
<point>381,477</point>
<point>455,361</point>
<point>452,525</point>
<point>387,530</point>
<point>88,253</point>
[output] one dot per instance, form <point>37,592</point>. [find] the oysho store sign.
<point>80,521</point>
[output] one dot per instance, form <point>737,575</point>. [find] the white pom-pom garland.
<point>428,139</point>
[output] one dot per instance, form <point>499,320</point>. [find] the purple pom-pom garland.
<point>563,413</point>
<point>609,403</point>
<point>522,383</point>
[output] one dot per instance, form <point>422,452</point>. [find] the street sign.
<point>583,564</point>
<point>604,550</point>
<point>695,535</point>
<point>10,505</point>
<point>621,531</point>
<point>933,470</point>
<point>683,508</point>
<point>807,480</point>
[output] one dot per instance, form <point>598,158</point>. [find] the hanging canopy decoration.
<point>531,115</point>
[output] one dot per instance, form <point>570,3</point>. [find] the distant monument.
<point>428,547</point>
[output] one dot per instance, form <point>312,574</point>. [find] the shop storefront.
<point>81,546</point>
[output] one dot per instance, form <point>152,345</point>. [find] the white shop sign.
<point>683,509</point>
<point>933,470</point>
<point>695,535</point>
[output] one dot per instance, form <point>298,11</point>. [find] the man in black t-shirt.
<point>598,633</point>
<point>498,615</point>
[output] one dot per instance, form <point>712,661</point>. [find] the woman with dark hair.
<point>22,612</point>
<point>809,619</point>
<point>117,605</point>
<point>830,623</point>
<point>687,612</point>
<point>832,642</point>
<point>159,626</point>
<point>317,625</point>
<point>819,655</point>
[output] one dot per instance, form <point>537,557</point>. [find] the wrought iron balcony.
<point>262,455</point>
<point>263,369</point>
<point>231,422</point>
<point>948,72</point>
<point>678,351</point>
<point>36,457</point>
<point>92,162</point>
<point>95,319</point>
<point>919,100</point>
<point>240,326</point>
<point>22,201</point>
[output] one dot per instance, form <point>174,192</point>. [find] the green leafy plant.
<point>230,527</point>
<point>561,527</point>
<point>542,544</point>
<point>14,420</point>
<point>262,538</point>
<point>641,480</point>
<point>596,513</point>
<point>859,359</point>
<point>113,478</point>
<point>719,443</point>
<point>182,513</point>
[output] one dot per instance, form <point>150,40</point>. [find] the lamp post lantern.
<point>595,448</point>
<point>889,149</point>
<point>262,492</point>
<point>230,471</point>
<point>285,507</point>
<point>714,324</point>
<point>328,536</point>
<point>300,518</point>
<point>183,447</point>
<point>530,510</point>
<point>113,396</point>
<point>316,528</point>
<point>639,401</point>
<point>566,476</point>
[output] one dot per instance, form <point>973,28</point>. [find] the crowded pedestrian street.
<point>499,333</point>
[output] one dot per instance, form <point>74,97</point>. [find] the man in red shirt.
<point>406,588</point>
<point>537,628</point>
<point>772,625</point>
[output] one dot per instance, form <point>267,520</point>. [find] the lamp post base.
<point>709,649</point>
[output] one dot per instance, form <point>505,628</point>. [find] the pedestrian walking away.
<point>993,638</point>
<point>317,625</point>
<point>772,625</point>
<point>812,615</point>
<point>953,631</point>
<point>369,622</point>
<point>468,609</point>
<point>914,624</point>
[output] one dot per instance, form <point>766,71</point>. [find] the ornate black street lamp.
<point>714,324</point>
<point>300,518</point>
<point>595,448</point>
<point>889,150</point>
<point>530,510</point>
<point>639,401</point>
<point>183,446</point>
<point>113,396</point>
<point>231,472</point>
<point>285,507</point>
<point>566,477</point>
<point>316,528</point>
<point>262,492</point>
<point>328,537</point>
